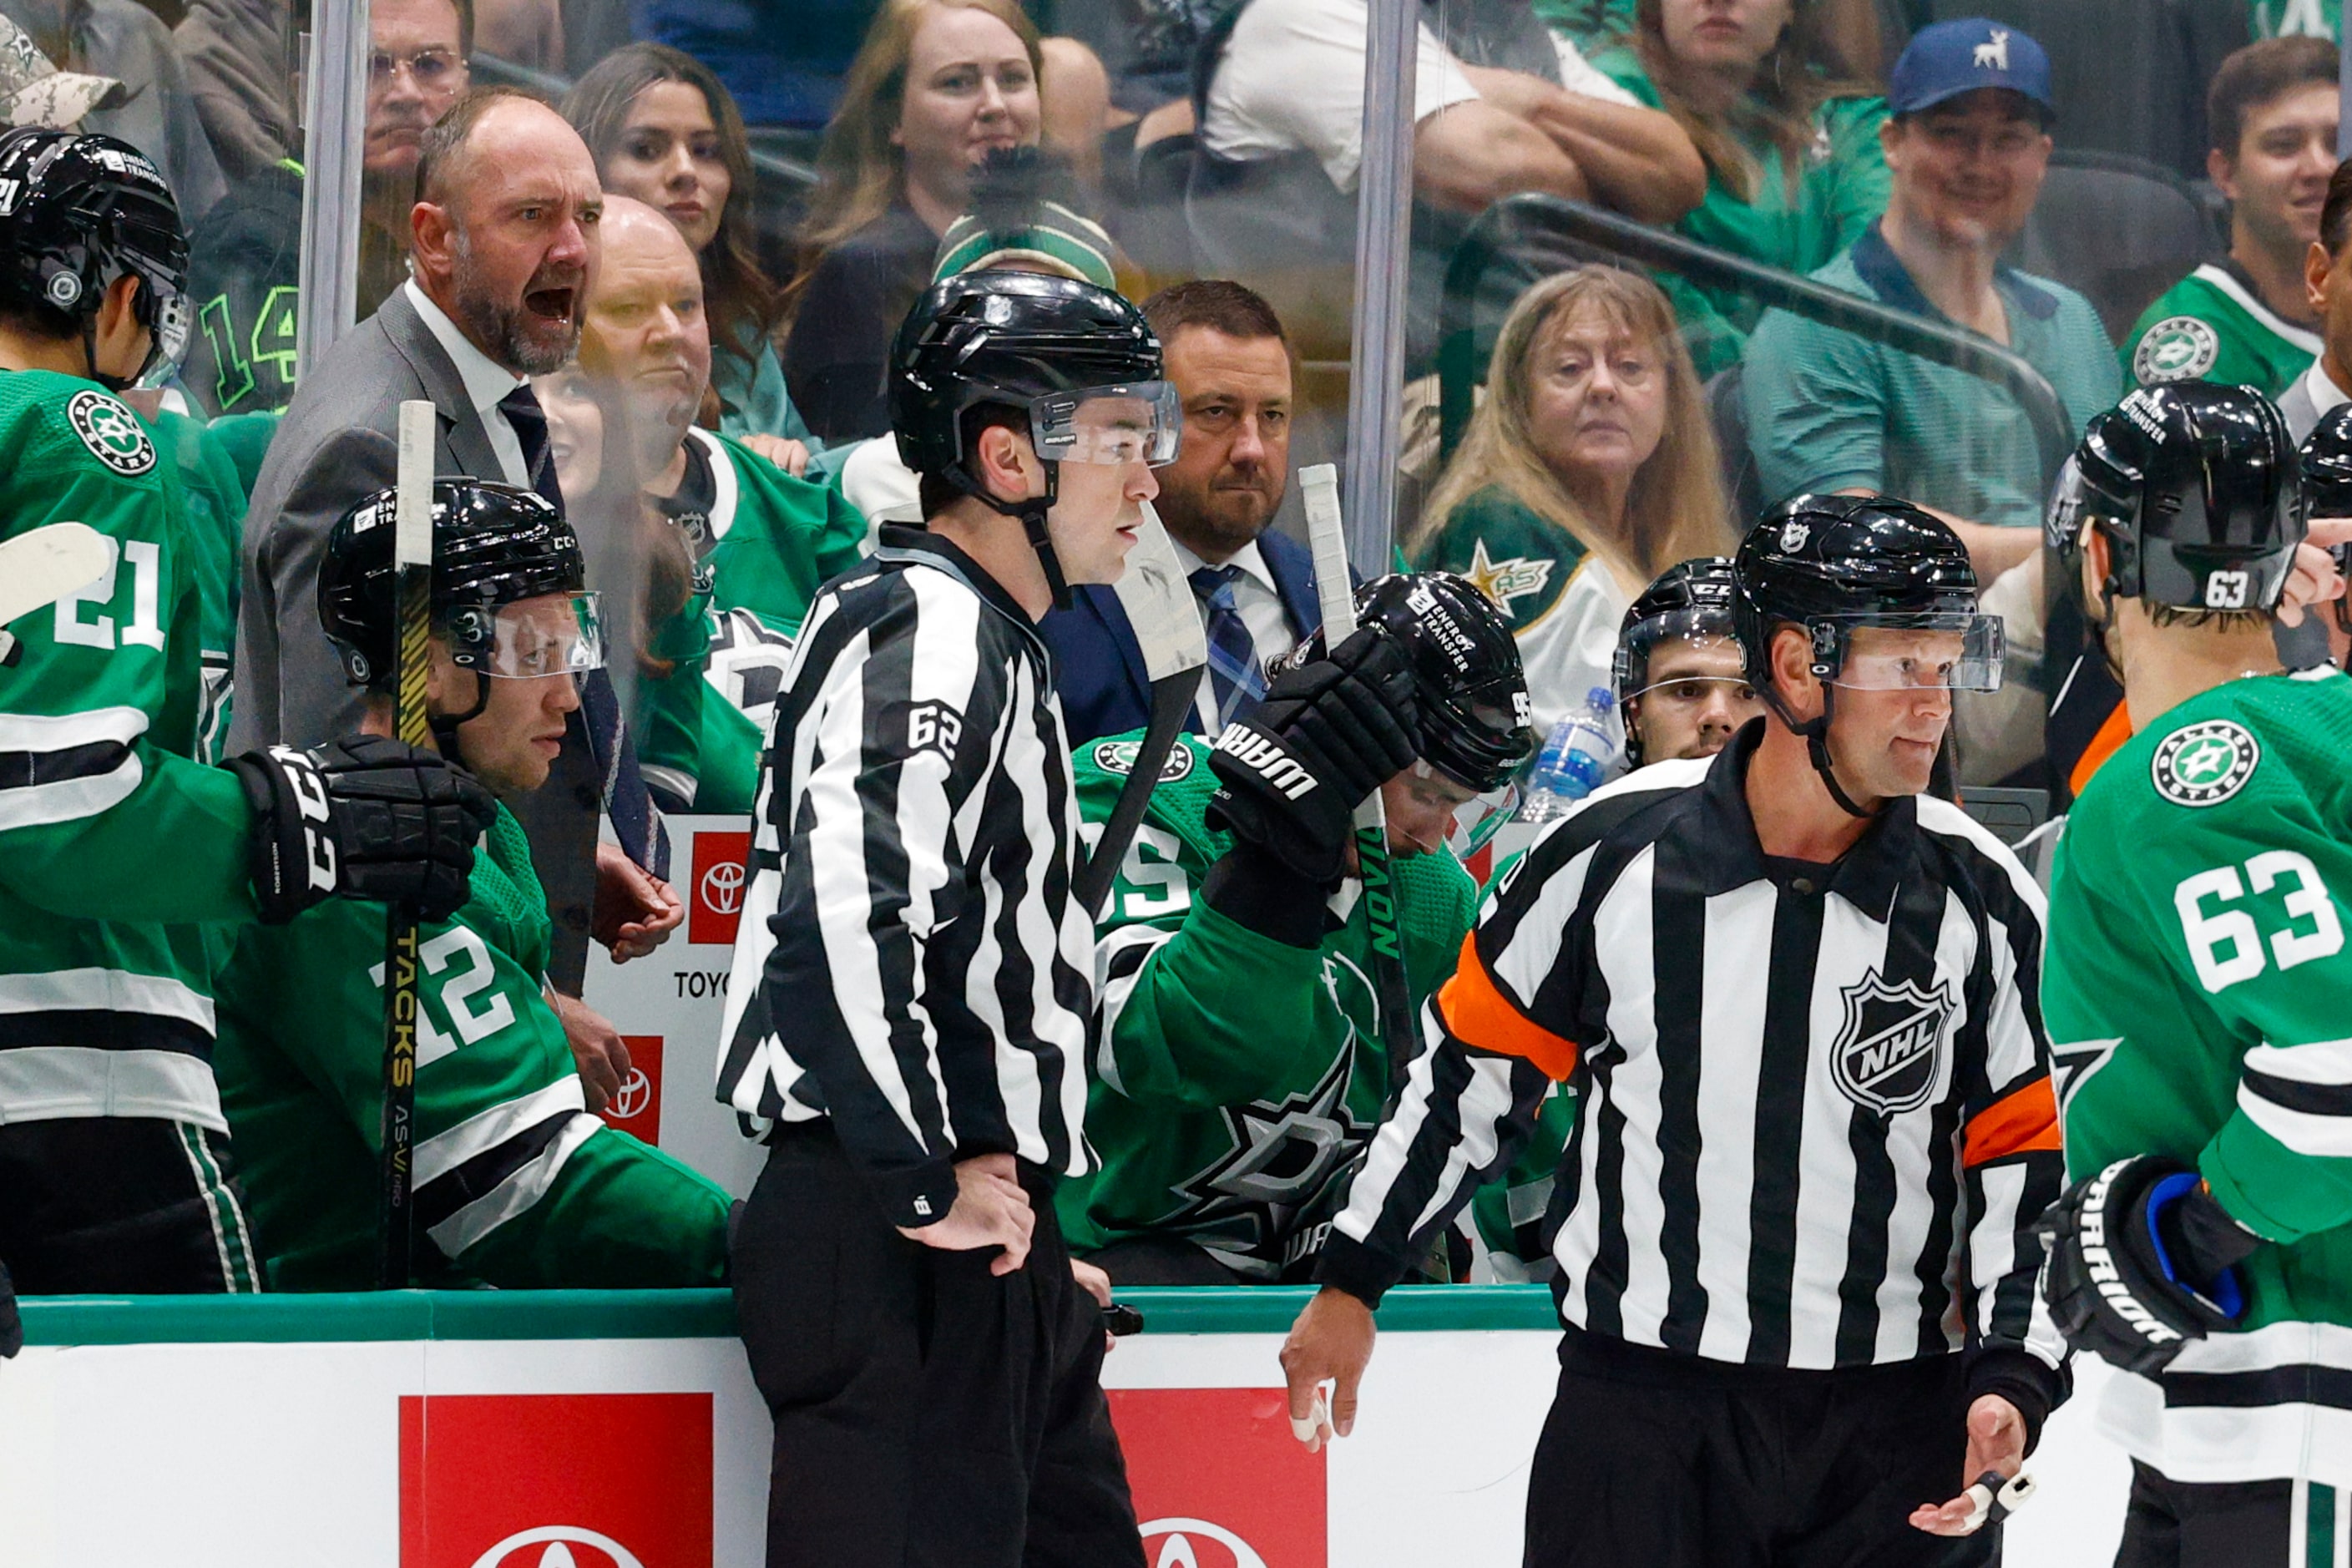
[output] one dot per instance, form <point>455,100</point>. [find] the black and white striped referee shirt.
<point>910,962</point>
<point>1816,1122</point>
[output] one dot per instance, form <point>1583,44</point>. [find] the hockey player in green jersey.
<point>121,857</point>
<point>2195,992</point>
<point>1240,1071</point>
<point>517,1185</point>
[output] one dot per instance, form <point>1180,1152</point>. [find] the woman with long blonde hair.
<point>1589,469</point>
<point>937,85</point>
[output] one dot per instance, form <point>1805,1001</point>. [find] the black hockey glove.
<point>1326,735</point>
<point>2142,1261</point>
<point>361,818</point>
<point>12,1326</point>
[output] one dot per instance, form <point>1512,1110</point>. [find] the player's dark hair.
<point>938,493</point>
<point>1216,303</point>
<point>2253,76</point>
<point>2200,619</point>
<point>2336,215</point>
<point>442,140</point>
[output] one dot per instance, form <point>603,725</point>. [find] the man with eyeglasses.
<point>1682,680</point>
<point>1968,146</point>
<point>244,257</point>
<point>1794,994</point>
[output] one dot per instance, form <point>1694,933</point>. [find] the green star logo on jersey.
<point>2176,349</point>
<point>1514,577</point>
<point>1119,757</point>
<point>111,432</point>
<point>2204,764</point>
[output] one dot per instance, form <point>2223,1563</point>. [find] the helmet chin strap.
<point>444,726</point>
<point>114,384</point>
<point>1816,733</point>
<point>1032,512</point>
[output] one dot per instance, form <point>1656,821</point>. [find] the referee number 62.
<point>2224,943</point>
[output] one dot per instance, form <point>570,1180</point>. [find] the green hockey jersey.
<point>1239,1079</point>
<point>114,840</point>
<point>2194,994</point>
<point>517,1185</point>
<point>772,542</point>
<point>2213,326</point>
<point>214,495</point>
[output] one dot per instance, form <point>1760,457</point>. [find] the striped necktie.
<point>1233,675</point>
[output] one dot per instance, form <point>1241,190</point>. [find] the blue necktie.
<point>1233,675</point>
<point>635,821</point>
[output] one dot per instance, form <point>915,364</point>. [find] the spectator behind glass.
<point>1794,170</point>
<point>1967,147</point>
<point>244,258</point>
<point>2328,282</point>
<point>665,131</point>
<point>2247,320</point>
<point>1589,469</point>
<point>159,115</point>
<point>938,85</point>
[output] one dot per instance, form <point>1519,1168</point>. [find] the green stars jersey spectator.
<point>1239,1077</point>
<point>517,1185</point>
<point>768,542</point>
<point>2213,326</point>
<point>244,283</point>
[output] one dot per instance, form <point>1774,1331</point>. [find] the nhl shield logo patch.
<point>2204,764</point>
<point>1885,1056</point>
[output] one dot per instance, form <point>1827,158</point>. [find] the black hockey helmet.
<point>1043,346</point>
<point>2197,490</point>
<point>77,212</point>
<point>2326,459</point>
<point>1470,690</point>
<point>493,545</point>
<point>1690,599</point>
<point>1832,564</point>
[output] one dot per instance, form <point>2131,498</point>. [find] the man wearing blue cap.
<point>1967,144</point>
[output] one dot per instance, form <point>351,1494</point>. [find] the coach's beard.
<point>537,336</point>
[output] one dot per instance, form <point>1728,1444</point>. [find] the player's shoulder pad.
<point>67,422</point>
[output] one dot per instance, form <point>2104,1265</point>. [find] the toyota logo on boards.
<point>550,1546</point>
<point>718,885</point>
<point>1197,1543</point>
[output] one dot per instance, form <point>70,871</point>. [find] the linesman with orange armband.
<point>1796,997</point>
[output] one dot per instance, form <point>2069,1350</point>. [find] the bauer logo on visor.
<point>1141,421</point>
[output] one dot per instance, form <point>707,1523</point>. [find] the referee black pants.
<point>928,1413</point>
<point>121,1206</point>
<point>1664,1461</point>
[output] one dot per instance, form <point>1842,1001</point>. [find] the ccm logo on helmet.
<point>2100,1263</point>
<point>1267,760</point>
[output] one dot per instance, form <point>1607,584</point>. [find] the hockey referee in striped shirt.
<point>1797,997</point>
<point>913,979</point>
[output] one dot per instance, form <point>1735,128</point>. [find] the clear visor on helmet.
<point>1954,651</point>
<point>554,634</point>
<point>1472,819</point>
<point>1690,647</point>
<point>1137,422</point>
<point>167,346</point>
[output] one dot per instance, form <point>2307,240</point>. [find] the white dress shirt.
<point>487,381</point>
<point>1260,604</point>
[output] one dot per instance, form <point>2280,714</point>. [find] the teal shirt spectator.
<point>1830,411</point>
<point>1589,24</point>
<point>753,401</point>
<point>1797,226</point>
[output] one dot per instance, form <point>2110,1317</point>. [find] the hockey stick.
<point>45,565</point>
<point>412,561</point>
<point>1327,538</point>
<point>1166,624</point>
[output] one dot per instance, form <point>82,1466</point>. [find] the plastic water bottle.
<point>1577,756</point>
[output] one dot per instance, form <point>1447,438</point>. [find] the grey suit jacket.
<point>2301,413</point>
<point>334,447</point>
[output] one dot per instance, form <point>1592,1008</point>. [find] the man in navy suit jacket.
<point>1227,355</point>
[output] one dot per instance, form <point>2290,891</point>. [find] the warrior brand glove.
<point>1326,735</point>
<point>361,818</point>
<point>2142,1261</point>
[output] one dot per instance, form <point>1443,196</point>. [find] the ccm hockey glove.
<point>361,818</point>
<point>1326,735</point>
<point>2142,1260</point>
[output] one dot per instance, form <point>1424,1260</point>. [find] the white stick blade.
<point>412,518</point>
<point>1327,540</point>
<point>1160,603</point>
<point>44,564</point>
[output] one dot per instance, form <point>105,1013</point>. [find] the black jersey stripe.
<point>1678,925</point>
<point>89,759</point>
<point>1779,1134</point>
<point>2293,1094</point>
<point>104,1029</point>
<point>478,1178</point>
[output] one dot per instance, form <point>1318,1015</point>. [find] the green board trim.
<point>396,1315</point>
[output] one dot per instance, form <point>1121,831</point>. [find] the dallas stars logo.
<point>1514,577</point>
<point>2204,764</point>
